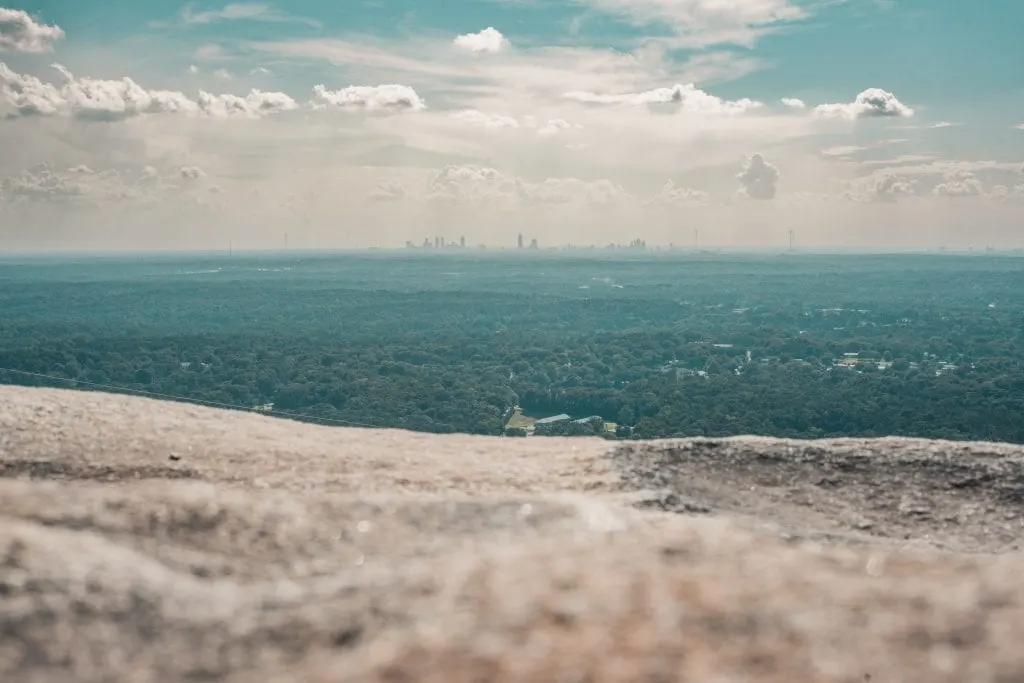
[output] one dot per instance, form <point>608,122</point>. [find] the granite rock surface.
<point>147,541</point>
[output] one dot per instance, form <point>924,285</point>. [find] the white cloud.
<point>223,74</point>
<point>842,151</point>
<point>520,78</point>
<point>490,40</point>
<point>937,178</point>
<point>688,97</point>
<point>959,184</point>
<point>490,121</point>
<point>475,185</point>
<point>19,32</point>
<point>113,100</point>
<point>193,69</point>
<point>943,124</point>
<point>256,103</point>
<point>260,71</point>
<point>236,11</point>
<point>673,196</point>
<point>378,98</point>
<point>85,187</point>
<point>793,103</point>
<point>233,11</point>
<point>890,186</point>
<point>41,182</point>
<point>706,22</point>
<point>1009,195</point>
<point>870,103</point>
<point>554,126</point>
<point>759,178</point>
<point>190,173</point>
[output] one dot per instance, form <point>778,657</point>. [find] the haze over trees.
<point>670,345</point>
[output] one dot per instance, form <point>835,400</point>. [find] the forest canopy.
<point>658,345</point>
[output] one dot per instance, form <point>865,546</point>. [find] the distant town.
<point>440,243</point>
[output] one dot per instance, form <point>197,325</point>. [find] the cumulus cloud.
<point>793,103</point>
<point>470,182</point>
<point>938,178</point>
<point>674,196</point>
<point>490,40</point>
<point>93,99</point>
<point>759,178</point>
<point>891,186</point>
<point>1009,195</point>
<point>41,182</point>
<point>688,97</point>
<point>190,173</point>
<point>29,96</point>
<point>486,120</point>
<point>959,184</point>
<point>103,100</point>
<point>390,98</point>
<point>79,185</point>
<point>19,32</point>
<point>870,103</point>
<point>257,103</point>
<point>477,185</point>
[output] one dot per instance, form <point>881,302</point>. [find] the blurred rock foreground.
<point>144,541</point>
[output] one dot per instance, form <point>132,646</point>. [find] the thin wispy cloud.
<point>191,15</point>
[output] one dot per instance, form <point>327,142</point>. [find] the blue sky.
<point>945,55</point>
<point>644,105</point>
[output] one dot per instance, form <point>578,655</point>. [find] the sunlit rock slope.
<point>152,541</point>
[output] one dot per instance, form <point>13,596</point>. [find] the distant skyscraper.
<point>533,244</point>
<point>520,240</point>
<point>462,241</point>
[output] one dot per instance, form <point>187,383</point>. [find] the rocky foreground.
<point>150,541</point>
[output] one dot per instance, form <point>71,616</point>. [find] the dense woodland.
<point>450,343</point>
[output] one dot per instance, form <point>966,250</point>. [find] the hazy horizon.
<point>859,124</point>
<point>502,252</point>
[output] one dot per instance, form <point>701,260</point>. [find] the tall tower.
<point>520,240</point>
<point>792,238</point>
